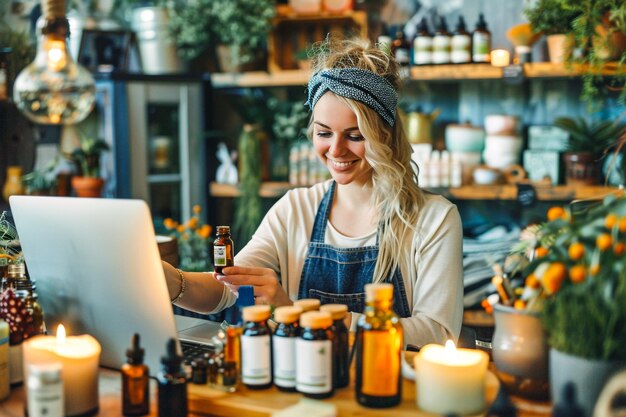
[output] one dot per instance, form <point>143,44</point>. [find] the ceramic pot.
<point>557,48</point>
<point>520,352</point>
<point>87,186</point>
<point>588,376</point>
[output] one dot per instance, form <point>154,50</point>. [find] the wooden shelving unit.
<point>534,70</point>
<point>468,192</point>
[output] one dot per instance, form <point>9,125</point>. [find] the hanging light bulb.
<point>54,89</point>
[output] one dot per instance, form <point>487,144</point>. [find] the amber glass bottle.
<point>223,249</point>
<point>378,349</point>
<point>314,355</point>
<point>256,348</point>
<point>341,344</point>
<point>135,382</point>
<point>284,347</point>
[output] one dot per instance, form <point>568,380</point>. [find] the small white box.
<point>547,138</point>
<point>541,164</point>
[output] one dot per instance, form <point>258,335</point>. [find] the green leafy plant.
<point>243,25</point>
<point>550,17</point>
<point>9,246</point>
<point>41,181</point>
<point>21,44</point>
<point>87,156</point>
<point>592,137</point>
<point>248,210</point>
<point>579,273</point>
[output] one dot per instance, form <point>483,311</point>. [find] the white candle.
<point>500,58</point>
<point>450,380</point>
<point>79,357</point>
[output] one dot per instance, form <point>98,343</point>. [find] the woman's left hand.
<point>267,288</point>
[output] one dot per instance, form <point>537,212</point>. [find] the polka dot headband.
<point>357,84</point>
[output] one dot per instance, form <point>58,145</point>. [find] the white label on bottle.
<point>45,400</point>
<point>402,56</point>
<point>314,366</point>
<point>219,255</point>
<point>481,47</point>
<point>461,45</point>
<point>441,50</point>
<point>255,360</point>
<point>423,50</point>
<point>284,361</point>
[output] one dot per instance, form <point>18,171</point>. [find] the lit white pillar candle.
<point>500,58</point>
<point>79,357</point>
<point>450,380</point>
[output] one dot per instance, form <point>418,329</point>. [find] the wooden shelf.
<point>468,192</point>
<point>534,70</point>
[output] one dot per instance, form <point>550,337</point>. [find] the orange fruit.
<point>540,251</point>
<point>554,277</point>
<point>622,224</point>
<point>594,270</point>
<point>577,273</point>
<point>576,251</point>
<point>610,220</point>
<point>519,304</point>
<point>604,241</point>
<point>556,212</point>
<point>618,248</point>
<point>532,281</point>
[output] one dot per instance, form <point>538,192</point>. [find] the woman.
<point>370,223</point>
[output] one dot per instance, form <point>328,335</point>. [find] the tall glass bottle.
<point>172,384</point>
<point>256,348</point>
<point>223,249</point>
<point>441,43</point>
<point>135,381</point>
<point>379,341</point>
<point>423,45</point>
<point>481,41</point>
<point>401,51</point>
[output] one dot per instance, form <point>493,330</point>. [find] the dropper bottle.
<point>481,41</point>
<point>135,381</point>
<point>172,383</point>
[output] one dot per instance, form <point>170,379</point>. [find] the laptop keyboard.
<point>193,350</point>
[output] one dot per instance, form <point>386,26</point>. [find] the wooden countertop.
<point>204,401</point>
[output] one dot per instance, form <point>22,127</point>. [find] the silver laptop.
<point>97,270</point>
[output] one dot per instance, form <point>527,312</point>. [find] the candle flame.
<point>60,334</point>
<point>450,347</point>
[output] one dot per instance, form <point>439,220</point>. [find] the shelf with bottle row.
<point>467,192</point>
<point>445,72</point>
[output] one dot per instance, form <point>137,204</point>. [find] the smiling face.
<point>338,141</point>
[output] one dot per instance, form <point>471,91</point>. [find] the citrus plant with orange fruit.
<point>578,272</point>
<point>193,238</point>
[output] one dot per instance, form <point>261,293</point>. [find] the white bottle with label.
<point>441,43</point>
<point>45,390</point>
<point>461,44</point>
<point>481,42</point>
<point>423,45</point>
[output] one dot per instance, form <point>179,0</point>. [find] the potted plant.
<point>550,18</point>
<point>41,181</point>
<point>87,182</point>
<point>587,143</point>
<point>578,280</point>
<point>238,28</point>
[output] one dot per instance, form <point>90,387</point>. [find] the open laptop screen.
<point>97,270</point>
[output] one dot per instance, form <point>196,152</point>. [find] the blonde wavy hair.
<point>395,192</point>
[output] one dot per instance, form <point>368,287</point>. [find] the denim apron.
<point>339,275</point>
